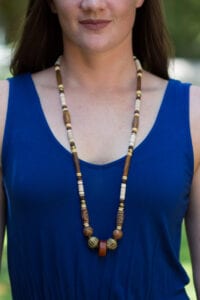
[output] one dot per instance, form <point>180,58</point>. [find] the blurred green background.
<point>183,20</point>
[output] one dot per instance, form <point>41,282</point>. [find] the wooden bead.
<point>93,242</point>
<point>117,234</point>
<point>111,244</point>
<point>88,231</point>
<point>102,248</point>
<point>84,214</point>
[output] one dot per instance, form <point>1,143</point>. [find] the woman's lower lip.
<point>95,26</point>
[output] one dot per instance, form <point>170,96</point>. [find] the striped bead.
<point>93,242</point>
<point>111,244</point>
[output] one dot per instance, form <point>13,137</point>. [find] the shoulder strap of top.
<point>20,97</point>
<point>179,105</point>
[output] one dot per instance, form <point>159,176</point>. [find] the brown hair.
<point>41,40</point>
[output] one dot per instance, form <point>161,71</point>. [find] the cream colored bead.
<point>137,104</point>
<point>61,87</point>
<point>81,189</point>
<point>72,141</point>
<point>74,150</point>
<point>138,65</point>
<point>123,191</point>
<point>58,61</point>
<point>130,152</point>
<point>62,98</point>
<point>138,93</point>
<point>86,224</point>
<point>135,130</point>
<point>132,139</point>
<point>70,134</point>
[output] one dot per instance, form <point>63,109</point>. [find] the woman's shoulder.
<point>44,78</point>
<point>4,87</point>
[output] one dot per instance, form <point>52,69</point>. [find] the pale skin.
<point>99,79</point>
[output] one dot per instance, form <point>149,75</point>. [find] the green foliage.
<point>11,15</point>
<point>184,26</point>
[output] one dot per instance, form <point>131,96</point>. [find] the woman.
<point>125,243</point>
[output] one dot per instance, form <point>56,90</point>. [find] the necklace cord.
<point>93,241</point>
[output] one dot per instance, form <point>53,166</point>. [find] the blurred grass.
<point>185,259</point>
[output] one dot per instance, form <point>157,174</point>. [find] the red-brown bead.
<point>117,234</point>
<point>102,248</point>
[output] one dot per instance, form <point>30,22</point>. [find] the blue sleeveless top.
<point>48,256</point>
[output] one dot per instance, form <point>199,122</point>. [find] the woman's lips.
<point>94,24</point>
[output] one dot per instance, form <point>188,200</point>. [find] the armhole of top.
<point>186,92</point>
<point>3,124</point>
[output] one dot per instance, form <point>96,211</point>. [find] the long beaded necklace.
<point>94,242</point>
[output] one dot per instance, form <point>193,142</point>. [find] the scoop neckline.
<point>82,161</point>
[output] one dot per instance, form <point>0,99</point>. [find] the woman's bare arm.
<point>2,216</point>
<point>3,109</point>
<point>193,213</point>
<point>193,230</point>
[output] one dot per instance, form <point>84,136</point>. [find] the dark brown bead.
<point>127,165</point>
<point>139,83</point>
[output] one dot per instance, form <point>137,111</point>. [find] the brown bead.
<point>102,248</point>
<point>120,217</point>
<point>88,231</point>
<point>84,214</point>
<point>117,234</point>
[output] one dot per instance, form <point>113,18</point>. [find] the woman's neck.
<point>95,71</point>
